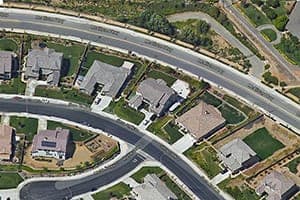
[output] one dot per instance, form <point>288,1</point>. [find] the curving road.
<point>54,190</point>
<point>250,89</point>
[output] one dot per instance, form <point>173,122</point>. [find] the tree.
<point>271,14</point>
<point>280,22</point>
<point>202,27</point>
<point>273,3</point>
<point>257,2</point>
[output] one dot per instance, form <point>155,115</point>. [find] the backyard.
<point>76,133</point>
<point>9,180</point>
<point>263,143</point>
<point>72,54</point>
<point>161,75</point>
<point>8,45</point>
<point>27,126</point>
<point>293,165</point>
<point>206,158</point>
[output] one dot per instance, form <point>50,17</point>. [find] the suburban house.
<point>106,78</point>
<point>156,93</point>
<point>277,186</point>
<point>44,64</point>
<point>237,155</point>
<point>153,188</point>
<point>6,65</point>
<point>6,142</point>
<point>51,143</point>
<point>201,121</point>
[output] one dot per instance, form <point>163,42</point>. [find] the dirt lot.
<point>81,155</point>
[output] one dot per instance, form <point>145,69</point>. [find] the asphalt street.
<point>250,89</point>
<point>52,190</point>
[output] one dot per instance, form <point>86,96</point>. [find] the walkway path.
<point>257,64</point>
<point>271,26</point>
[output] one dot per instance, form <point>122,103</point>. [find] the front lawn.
<point>71,95</point>
<point>76,133</point>
<point>161,75</point>
<point>14,86</point>
<point>242,192</point>
<point>206,158</point>
<point>269,34</point>
<point>292,165</point>
<point>118,191</point>
<point>163,129</point>
<point>8,45</point>
<point>10,180</point>
<point>173,132</point>
<point>27,126</point>
<point>72,54</point>
<point>140,175</point>
<point>262,142</point>
<point>122,110</point>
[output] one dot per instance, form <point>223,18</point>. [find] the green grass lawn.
<point>72,55</point>
<point>239,193</point>
<point>231,115</point>
<point>77,133</point>
<point>173,132</point>
<point>110,59</point>
<point>139,175</point>
<point>8,45</point>
<point>295,91</point>
<point>161,75</point>
<point>255,15</point>
<point>206,158</point>
<point>71,95</point>
<point>292,165</point>
<point>122,110</point>
<point>263,143</point>
<point>15,86</point>
<point>28,126</point>
<point>119,191</point>
<point>162,129</point>
<point>269,34</point>
<point>210,99</point>
<point>237,104</point>
<point>10,180</point>
<point>180,194</point>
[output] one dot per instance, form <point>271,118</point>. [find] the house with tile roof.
<point>201,121</point>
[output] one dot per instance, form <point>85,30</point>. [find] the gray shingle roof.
<point>156,93</point>
<point>112,78</point>
<point>5,62</point>
<point>275,185</point>
<point>235,153</point>
<point>153,188</point>
<point>46,61</point>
